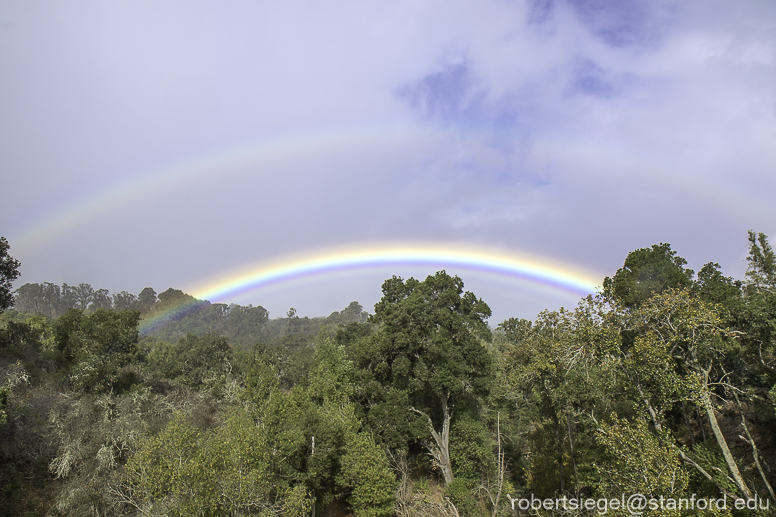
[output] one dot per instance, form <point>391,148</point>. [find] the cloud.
<point>578,130</point>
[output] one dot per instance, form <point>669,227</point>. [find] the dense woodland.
<point>663,384</point>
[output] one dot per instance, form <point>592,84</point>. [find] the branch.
<point>705,474</point>
<point>434,434</point>
<point>755,451</point>
<point>762,360</point>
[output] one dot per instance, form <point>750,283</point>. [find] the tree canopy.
<point>663,385</point>
<point>9,271</point>
<point>428,348</point>
<point>648,271</point>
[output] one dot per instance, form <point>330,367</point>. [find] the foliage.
<point>365,473</point>
<point>96,346</point>
<point>331,377</point>
<point>470,448</point>
<point>428,352</point>
<point>9,271</point>
<point>551,365</point>
<point>188,471</point>
<point>637,462</point>
<point>647,271</point>
<point>194,361</point>
<point>761,270</point>
<point>660,385</point>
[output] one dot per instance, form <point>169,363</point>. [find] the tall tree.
<point>146,301</point>
<point>761,273</point>
<point>53,303</point>
<point>124,301</point>
<point>648,271</point>
<point>68,299</point>
<point>428,351</point>
<point>101,300</point>
<point>9,271</point>
<point>96,346</point>
<point>84,294</point>
<point>29,298</point>
<point>676,356</point>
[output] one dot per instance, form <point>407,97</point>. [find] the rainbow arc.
<point>537,270</point>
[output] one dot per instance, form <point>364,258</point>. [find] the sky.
<point>179,143</point>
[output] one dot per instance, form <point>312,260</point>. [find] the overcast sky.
<point>147,143</point>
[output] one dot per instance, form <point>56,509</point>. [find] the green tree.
<point>539,361</point>
<point>96,346</point>
<point>68,298</point>
<point>648,271</point>
<point>636,461</point>
<point>29,298</point>
<point>428,355</point>
<point>146,301</point>
<point>675,356</point>
<point>124,301</point>
<point>713,287</point>
<point>84,294</point>
<point>193,360</point>
<point>101,300</point>
<point>9,271</point>
<point>366,474</point>
<point>331,377</point>
<point>558,385</point>
<point>761,272</point>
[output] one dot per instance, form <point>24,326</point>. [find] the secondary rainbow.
<point>539,270</point>
<point>236,161</point>
<point>603,163</point>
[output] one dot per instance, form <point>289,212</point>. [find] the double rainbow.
<point>538,270</point>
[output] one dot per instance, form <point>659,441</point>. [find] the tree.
<point>353,313</point>
<point>365,473</point>
<point>541,363</point>
<point>146,300</point>
<point>52,302</point>
<point>96,346</point>
<point>230,470</point>
<point>761,273</point>
<point>637,462</point>
<point>428,353</point>
<point>124,301</point>
<point>29,298</point>
<point>84,294</point>
<point>712,287</point>
<point>69,298</point>
<point>9,271</point>
<point>648,271</point>
<point>172,299</point>
<point>101,300</point>
<point>676,356</point>
<point>331,377</point>
<point>558,386</point>
<point>194,360</point>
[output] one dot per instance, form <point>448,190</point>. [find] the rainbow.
<point>250,158</point>
<point>541,270</point>
<point>259,156</point>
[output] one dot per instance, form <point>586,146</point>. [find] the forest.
<point>663,386</point>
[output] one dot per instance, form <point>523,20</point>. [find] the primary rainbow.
<point>540,270</point>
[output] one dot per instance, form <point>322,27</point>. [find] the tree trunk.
<point>443,442</point>
<point>687,423</point>
<point>559,439</point>
<point>439,448</point>
<point>731,462</point>
<point>573,455</point>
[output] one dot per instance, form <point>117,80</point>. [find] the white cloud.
<point>573,129</point>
